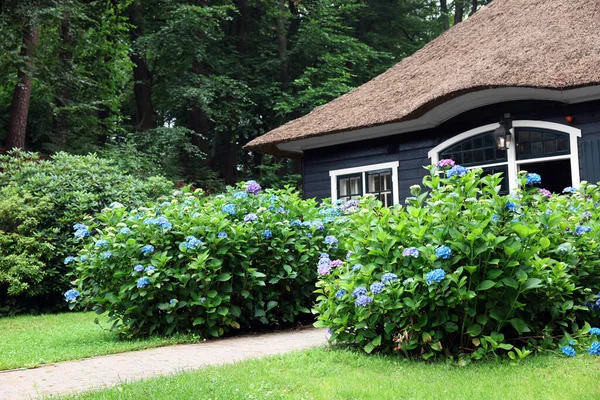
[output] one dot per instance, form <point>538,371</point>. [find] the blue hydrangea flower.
<point>267,234</point>
<point>172,301</point>
<point>349,254</point>
<point>81,233</point>
<point>281,210</point>
<point>572,342</point>
<point>138,268</point>
<point>324,255</point>
<point>569,189</point>
<point>273,198</point>
<point>69,259</point>
<point>202,299</point>
<point>78,227</point>
<point>533,179</point>
<point>147,249</point>
<point>192,242</point>
<point>222,235</point>
<point>125,231</point>
<point>71,295</point>
<point>456,170</point>
<point>316,224</point>
<point>327,220</point>
<point>595,331</point>
<point>228,209</point>
<point>83,258</point>
<point>143,282</point>
<point>409,199</point>
<point>331,240</point>
<point>350,204</point>
<point>150,268</point>
<point>408,280</point>
<point>495,217</point>
<point>437,275</point>
<point>106,255</point>
<point>581,229</point>
<point>163,223</point>
<point>309,235</point>
<point>411,252</point>
<point>296,222</point>
<point>240,195</point>
<point>363,301</point>
<point>250,217</point>
<point>340,293</point>
<point>389,277</point>
<point>586,214</point>
<point>377,287</point>
<point>443,252</point>
<point>359,291</point>
<point>356,267</point>
<point>101,243</point>
<point>568,351</point>
<point>594,349</point>
<point>510,206</point>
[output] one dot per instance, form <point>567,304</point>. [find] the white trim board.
<point>444,112</point>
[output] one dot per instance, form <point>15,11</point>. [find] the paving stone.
<point>99,372</point>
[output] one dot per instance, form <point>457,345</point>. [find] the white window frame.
<point>514,165</point>
<point>363,170</point>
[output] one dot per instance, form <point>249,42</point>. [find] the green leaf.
<point>531,283</point>
<point>235,311</point>
<point>224,277</point>
<point>545,242</point>
<point>259,312</point>
<point>223,311</point>
<point>510,282</point>
<point>271,304</point>
<point>451,327</point>
<point>198,321</point>
<point>474,330</point>
<point>485,285</point>
<point>519,325</point>
<point>482,319</point>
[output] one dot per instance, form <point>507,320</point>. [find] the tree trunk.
<point>282,44</point>
<point>142,87</point>
<point>444,16</point>
<point>474,6</point>
<point>60,123</point>
<point>17,127</point>
<point>458,11</point>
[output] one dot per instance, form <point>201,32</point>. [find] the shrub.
<point>41,198</point>
<point>207,264</point>
<point>463,270</point>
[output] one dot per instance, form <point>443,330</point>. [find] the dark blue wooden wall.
<point>410,149</point>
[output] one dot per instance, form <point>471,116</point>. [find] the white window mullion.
<point>363,170</point>
<point>511,154</point>
<point>575,160</point>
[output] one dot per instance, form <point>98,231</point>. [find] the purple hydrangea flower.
<point>363,301</point>
<point>445,163</point>
<point>437,275</point>
<point>138,268</point>
<point>443,252</point>
<point>377,287</point>
<point>336,263</point>
<point>586,215</point>
<point>411,252</point>
<point>359,291</point>
<point>324,269</point>
<point>546,193</point>
<point>250,217</point>
<point>253,187</point>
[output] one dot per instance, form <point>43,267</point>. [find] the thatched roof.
<point>550,44</point>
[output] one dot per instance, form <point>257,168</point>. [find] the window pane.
<point>534,143</point>
<point>349,186</point>
<point>379,183</point>
<point>474,151</point>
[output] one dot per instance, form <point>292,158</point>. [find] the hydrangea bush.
<point>464,271</point>
<point>207,264</point>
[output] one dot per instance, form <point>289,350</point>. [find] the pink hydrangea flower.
<point>546,193</point>
<point>445,163</point>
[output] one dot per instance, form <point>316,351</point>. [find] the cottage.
<point>514,87</point>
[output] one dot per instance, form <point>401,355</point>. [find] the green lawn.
<point>28,341</point>
<point>339,374</point>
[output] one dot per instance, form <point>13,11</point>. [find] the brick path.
<point>98,372</point>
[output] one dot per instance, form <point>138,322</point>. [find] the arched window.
<point>547,148</point>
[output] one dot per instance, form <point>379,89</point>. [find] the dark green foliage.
<point>523,270</point>
<point>40,201</point>
<point>238,276</point>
